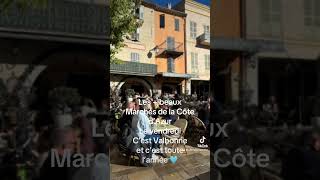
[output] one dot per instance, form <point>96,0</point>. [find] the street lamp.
<point>155,50</point>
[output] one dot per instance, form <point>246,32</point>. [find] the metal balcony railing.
<point>172,49</point>
<point>134,68</point>
<point>58,18</point>
<point>204,39</point>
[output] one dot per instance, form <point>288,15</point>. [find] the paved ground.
<point>205,176</point>
<point>194,165</point>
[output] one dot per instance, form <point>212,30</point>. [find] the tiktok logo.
<point>202,139</point>
<point>202,144</point>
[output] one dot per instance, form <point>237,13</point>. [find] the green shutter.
<point>207,61</point>
<point>176,24</point>
<point>196,62</point>
<point>141,12</point>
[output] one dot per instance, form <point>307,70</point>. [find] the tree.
<point>123,22</point>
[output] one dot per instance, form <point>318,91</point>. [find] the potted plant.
<point>61,100</point>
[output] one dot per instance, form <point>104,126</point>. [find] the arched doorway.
<point>171,88</point>
<point>76,70</point>
<point>201,88</point>
<point>139,85</point>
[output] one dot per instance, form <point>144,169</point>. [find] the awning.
<point>167,74</point>
<point>253,45</point>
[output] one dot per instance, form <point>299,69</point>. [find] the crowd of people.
<point>292,145</point>
<point>27,150</point>
<point>140,124</point>
<point>201,106</point>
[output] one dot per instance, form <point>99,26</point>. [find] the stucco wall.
<point>201,15</point>
<point>299,41</point>
<point>145,43</point>
<point>161,36</point>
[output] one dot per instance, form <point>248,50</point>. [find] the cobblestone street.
<point>193,165</point>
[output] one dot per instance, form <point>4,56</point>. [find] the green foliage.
<point>123,22</point>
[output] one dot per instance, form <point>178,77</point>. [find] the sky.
<point>173,2</point>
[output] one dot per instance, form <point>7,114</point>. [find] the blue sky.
<point>173,2</point>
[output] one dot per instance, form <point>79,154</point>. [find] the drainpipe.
<point>185,55</point>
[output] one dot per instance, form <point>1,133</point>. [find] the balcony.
<point>135,36</point>
<point>133,68</point>
<point>204,39</point>
<point>59,20</point>
<point>170,49</point>
<point>248,45</point>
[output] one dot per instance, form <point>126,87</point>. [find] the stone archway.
<point>139,81</point>
<point>77,69</point>
<point>48,58</point>
<point>32,77</point>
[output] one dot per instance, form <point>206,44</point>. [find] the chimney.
<point>169,5</point>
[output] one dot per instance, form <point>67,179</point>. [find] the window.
<point>176,24</point>
<point>170,43</point>
<point>193,29</point>
<point>162,21</point>
<point>312,13</point>
<point>136,35</point>
<point>206,29</point>
<point>135,57</point>
<point>139,12</point>
<point>207,61</point>
<point>270,14</point>
<point>194,63</point>
<point>170,64</point>
<point>270,11</point>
